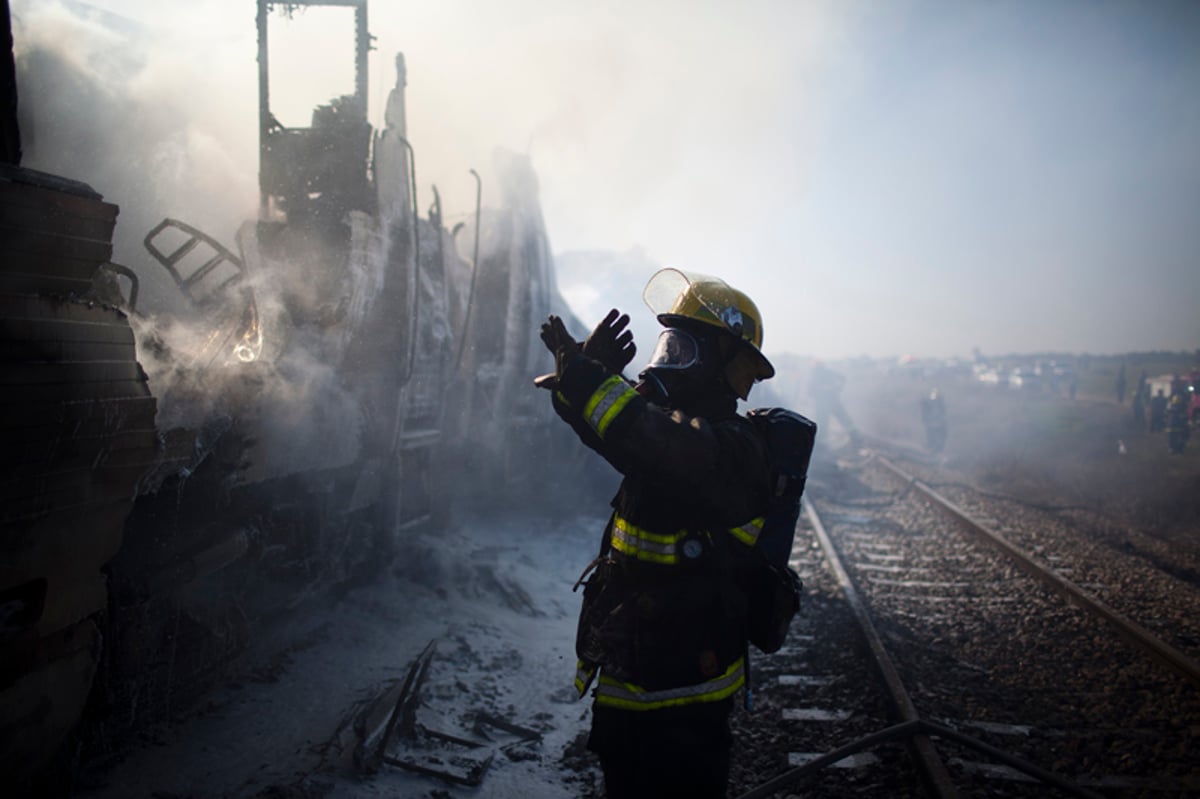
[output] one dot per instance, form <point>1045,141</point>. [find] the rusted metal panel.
<point>92,416</point>
<point>38,282</point>
<point>30,496</point>
<point>79,536</point>
<point>29,373</point>
<point>18,308</point>
<point>18,332</point>
<point>67,452</point>
<point>49,688</point>
<point>15,241</point>
<point>24,193</point>
<point>138,449</point>
<point>56,265</point>
<point>67,392</point>
<point>72,596</point>
<point>76,437</point>
<point>60,351</point>
<point>21,216</point>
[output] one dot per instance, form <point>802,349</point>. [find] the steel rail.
<point>1132,632</point>
<point>929,763</point>
<point>915,731</point>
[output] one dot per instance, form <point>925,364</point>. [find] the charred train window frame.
<point>301,170</point>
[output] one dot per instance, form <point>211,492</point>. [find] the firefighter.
<point>1158,411</point>
<point>1177,424</point>
<point>825,388</point>
<point>933,415</point>
<point>1140,395</point>
<point>661,631</point>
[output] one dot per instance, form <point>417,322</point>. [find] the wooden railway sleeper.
<point>915,731</point>
<point>1132,632</point>
<point>906,730</point>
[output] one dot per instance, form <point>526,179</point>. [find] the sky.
<point>883,178</point>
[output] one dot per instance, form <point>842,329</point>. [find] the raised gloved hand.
<point>611,343</point>
<point>561,345</point>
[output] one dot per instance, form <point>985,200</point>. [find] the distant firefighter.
<point>1158,411</point>
<point>933,415</point>
<point>825,389</point>
<point>1140,395</point>
<point>1177,424</point>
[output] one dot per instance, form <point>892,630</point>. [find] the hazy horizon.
<point>913,177</point>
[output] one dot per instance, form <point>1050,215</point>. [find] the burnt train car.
<point>175,478</point>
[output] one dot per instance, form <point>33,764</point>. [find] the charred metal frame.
<point>10,132</point>
<point>416,282</point>
<point>195,237</point>
<point>462,337</point>
<point>268,126</point>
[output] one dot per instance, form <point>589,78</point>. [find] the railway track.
<point>956,647</point>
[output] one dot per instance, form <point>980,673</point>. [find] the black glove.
<point>559,342</point>
<point>611,343</point>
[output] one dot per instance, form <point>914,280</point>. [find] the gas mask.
<point>678,369</point>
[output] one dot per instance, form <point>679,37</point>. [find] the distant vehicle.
<point>1165,383</point>
<point>988,376</point>
<point>1024,379</point>
<point>1160,383</point>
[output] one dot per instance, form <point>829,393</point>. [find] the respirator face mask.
<point>676,349</point>
<point>672,367</point>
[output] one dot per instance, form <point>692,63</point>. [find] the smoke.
<point>119,105</point>
<point>162,120</point>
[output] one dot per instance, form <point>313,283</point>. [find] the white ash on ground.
<point>495,597</point>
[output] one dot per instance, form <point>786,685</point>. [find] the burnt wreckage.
<point>335,377</point>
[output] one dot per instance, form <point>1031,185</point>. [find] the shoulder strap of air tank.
<point>606,540</point>
<point>605,545</point>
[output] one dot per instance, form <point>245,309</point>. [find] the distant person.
<point>933,416</point>
<point>1177,424</point>
<point>1158,411</point>
<point>1139,402</point>
<point>1121,386</point>
<point>825,388</point>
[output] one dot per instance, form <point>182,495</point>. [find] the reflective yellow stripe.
<point>748,533</point>
<point>583,677</point>
<point>606,402</point>
<point>628,696</point>
<point>642,544</point>
<point>657,538</point>
<point>562,398</point>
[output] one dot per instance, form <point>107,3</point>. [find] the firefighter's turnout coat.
<point>662,624</point>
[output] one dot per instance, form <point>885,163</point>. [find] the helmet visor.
<point>676,349</point>
<point>673,292</point>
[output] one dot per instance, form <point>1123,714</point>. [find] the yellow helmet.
<point>676,296</point>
